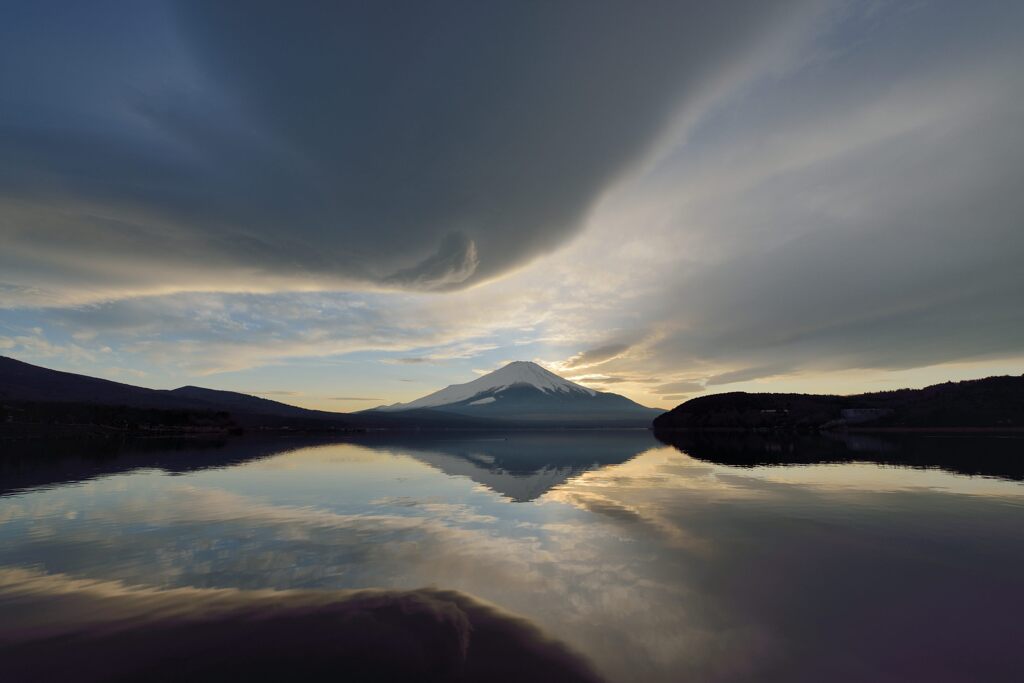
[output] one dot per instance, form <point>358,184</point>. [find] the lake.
<point>859,559</point>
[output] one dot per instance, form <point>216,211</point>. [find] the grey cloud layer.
<point>862,210</point>
<point>191,145</point>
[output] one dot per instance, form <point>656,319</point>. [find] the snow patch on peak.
<point>517,372</point>
<point>525,372</point>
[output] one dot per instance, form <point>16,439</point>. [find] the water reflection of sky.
<point>658,568</point>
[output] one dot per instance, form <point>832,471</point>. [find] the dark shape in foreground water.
<point>107,632</point>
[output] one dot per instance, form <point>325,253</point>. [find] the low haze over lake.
<point>652,564</point>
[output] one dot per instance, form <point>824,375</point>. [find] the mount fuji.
<point>524,392</point>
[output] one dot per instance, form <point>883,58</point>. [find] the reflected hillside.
<point>521,466</point>
<point>986,455</point>
<point>31,463</point>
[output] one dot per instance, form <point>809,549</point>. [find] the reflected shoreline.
<point>33,463</point>
<point>519,465</point>
<point>1000,456</point>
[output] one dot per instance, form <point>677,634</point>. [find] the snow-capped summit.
<point>518,372</point>
<point>525,391</point>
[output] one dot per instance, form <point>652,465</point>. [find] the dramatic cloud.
<point>200,145</point>
<point>756,198</point>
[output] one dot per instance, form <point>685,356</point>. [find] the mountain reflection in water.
<point>521,466</point>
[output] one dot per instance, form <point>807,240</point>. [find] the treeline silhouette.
<point>29,417</point>
<point>995,403</point>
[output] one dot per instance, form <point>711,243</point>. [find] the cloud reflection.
<point>659,569</point>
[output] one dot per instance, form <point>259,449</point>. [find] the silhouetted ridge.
<point>39,400</point>
<point>990,403</point>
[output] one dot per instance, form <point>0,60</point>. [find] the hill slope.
<point>990,403</point>
<point>30,394</point>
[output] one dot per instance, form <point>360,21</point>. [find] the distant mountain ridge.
<point>519,395</point>
<point>26,382</point>
<point>37,400</point>
<point>33,394</point>
<point>526,393</point>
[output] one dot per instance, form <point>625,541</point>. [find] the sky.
<point>339,205</point>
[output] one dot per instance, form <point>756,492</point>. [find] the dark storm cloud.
<point>416,145</point>
<point>109,632</point>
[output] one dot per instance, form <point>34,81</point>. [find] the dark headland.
<point>990,404</point>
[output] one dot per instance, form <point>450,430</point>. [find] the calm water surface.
<point>657,565</point>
